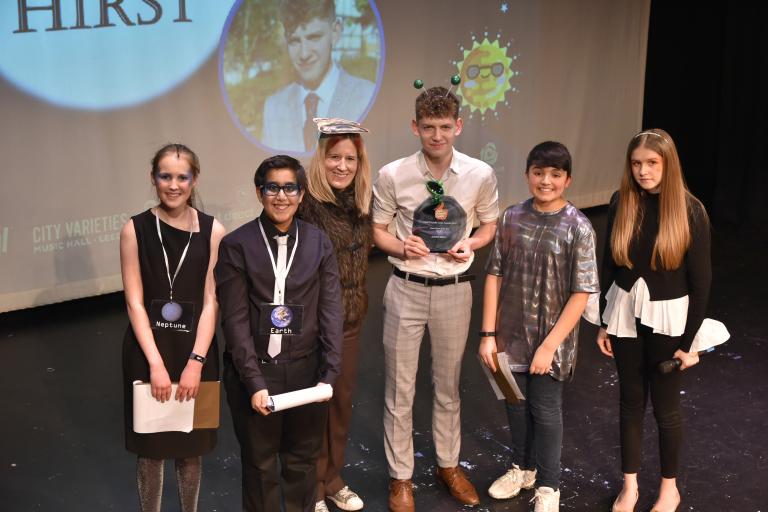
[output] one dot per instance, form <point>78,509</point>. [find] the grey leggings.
<point>149,475</point>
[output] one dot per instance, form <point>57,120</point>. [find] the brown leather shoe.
<point>461,488</point>
<point>401,496</point>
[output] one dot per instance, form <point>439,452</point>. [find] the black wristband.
<point>487,334</point>
<point>198,358</point>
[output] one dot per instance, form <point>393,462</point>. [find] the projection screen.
<point>89,89</point>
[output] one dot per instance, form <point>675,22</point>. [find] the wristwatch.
<point>487,334</point>
<point>200,359</point>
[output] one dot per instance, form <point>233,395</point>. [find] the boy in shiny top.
<point>541,272</point>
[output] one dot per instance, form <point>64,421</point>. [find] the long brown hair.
<point>320,189</point>
<point>674,236</point>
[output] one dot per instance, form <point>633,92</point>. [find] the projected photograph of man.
<point>283,62</point>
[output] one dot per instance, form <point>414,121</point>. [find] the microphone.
<point>671,365</point>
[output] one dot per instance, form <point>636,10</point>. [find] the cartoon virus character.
<point>485,71</point>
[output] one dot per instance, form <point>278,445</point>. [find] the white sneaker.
<point>320,506</point>
<point>346,499</point>
<point>547,500</point>
<point>509,484</point>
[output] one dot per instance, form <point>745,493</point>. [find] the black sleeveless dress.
<point>174,346</point>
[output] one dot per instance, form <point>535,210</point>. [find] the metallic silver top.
<point>543,258</point>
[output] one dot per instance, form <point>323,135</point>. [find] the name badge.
<point>286,319</point>
<point>171,315</point>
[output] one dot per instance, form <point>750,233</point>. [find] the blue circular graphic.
<point>88,59</point>
<point>171,311</point>
<point>281,316</point>
<point>246,73</point>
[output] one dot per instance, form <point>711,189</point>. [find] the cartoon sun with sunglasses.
<point>486,72</point>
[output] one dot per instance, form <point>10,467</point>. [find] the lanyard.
<point>279,276</point>
<point>165,254</point>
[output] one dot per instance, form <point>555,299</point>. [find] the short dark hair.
<point>295,13</point>
<point>549,154</point>
<point>280,162</point>
<point>437,102</point>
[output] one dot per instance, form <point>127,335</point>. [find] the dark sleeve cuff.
<point>255,385</point>
<point>685,345</point>
<point>329,377</point>
<point>690,333</point>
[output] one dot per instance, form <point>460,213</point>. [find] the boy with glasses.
<point>283,333</point>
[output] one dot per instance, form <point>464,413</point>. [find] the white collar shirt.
<point>324,92</point>
<point>401,188</point>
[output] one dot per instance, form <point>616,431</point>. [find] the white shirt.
<point>324,92</point>
<point>401,188</point>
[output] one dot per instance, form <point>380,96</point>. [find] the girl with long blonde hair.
<point>655,286</point>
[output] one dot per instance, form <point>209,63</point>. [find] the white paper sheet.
<point>150,416</point>
<point>488,375</point>
<point>300,397</point>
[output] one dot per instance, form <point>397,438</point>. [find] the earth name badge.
<point>286,319</point>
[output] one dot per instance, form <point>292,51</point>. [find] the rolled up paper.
<point>300,397</point>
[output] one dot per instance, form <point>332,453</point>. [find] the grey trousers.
<point>409,308</point>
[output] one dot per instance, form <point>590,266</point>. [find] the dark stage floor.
<point>62,444</point>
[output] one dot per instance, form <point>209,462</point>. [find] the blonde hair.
<point>674,235</point>
<point>321,189</point>
<point>180,150</point>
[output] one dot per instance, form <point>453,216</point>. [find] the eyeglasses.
<point>496,69</point>
<point>273,189</point>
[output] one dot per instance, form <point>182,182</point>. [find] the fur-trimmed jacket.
<point>352,238</point>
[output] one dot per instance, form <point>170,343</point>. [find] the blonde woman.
<point>655,286</point>
<point>338,202</point>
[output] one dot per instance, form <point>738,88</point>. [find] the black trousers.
<point>636,362</point>
<point>278,451</point>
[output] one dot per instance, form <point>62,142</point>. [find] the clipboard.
<point>207,405</point>
<point>502,381</point>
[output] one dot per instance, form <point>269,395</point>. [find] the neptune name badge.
<point>284,319</point>
<point>171,315</point>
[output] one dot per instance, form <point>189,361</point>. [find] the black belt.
<point>433,281</point>
<point>269,360</point>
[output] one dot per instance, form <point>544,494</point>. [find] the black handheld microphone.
<point>671,365</point>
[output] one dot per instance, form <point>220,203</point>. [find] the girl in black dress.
<point>167,257</point>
